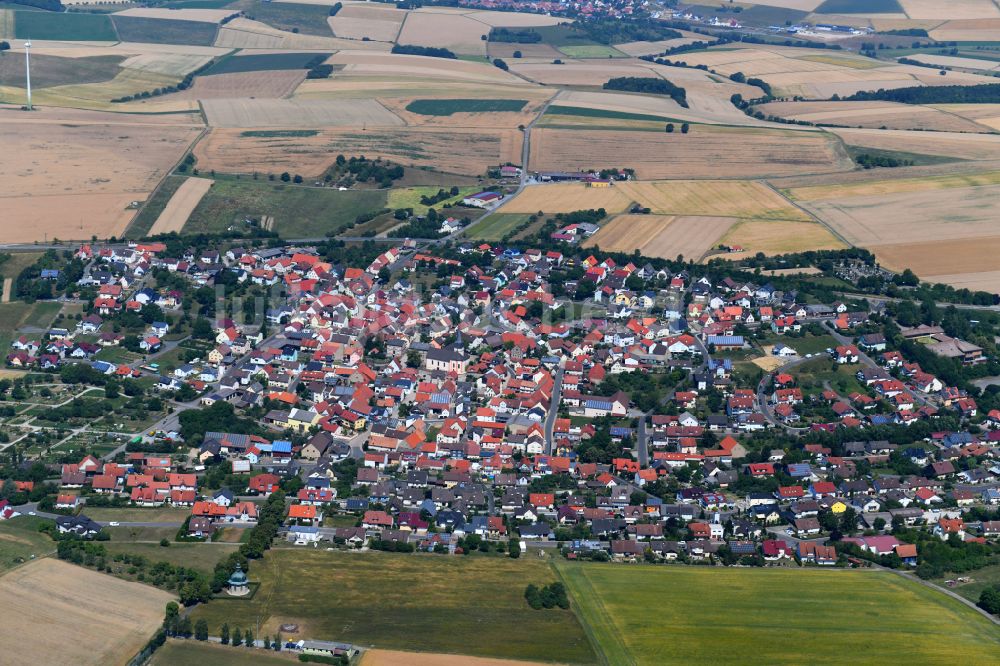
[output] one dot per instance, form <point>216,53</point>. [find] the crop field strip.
<point>64,27</point>
<point>652,615</point>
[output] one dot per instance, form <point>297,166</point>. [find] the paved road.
<point>550,418</point>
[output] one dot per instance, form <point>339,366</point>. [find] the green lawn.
<point>66,27</point>
<point>695,615</point>
<point>139,515</point>
<point>20,540</point>
<point>16,314</point>
<point>812,375</point>
<point>117,355</point>
<point>592,51</point>
<point>195,653</point>
<point>430,603</point>
<point>447,107</point>
<point>202,556</point>
<point>298,211</point>
<point>496,226</point>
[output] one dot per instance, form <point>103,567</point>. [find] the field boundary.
<point>575,584</point>
<point>836,234</point>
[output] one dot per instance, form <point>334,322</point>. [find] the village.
<point>613,417</point>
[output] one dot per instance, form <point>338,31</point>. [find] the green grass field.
<point>695,615</point>
<point>264,62</point>
<point>280,134</point>
<point>496,226</point>
<point>448,107</point>
<point>981,579</point>
<point>562,35</point>
<point>409,197</point>
<point>196,653</point>
<point>20,540</point>
<point>139,515</point>
<point>66,27</point>
<point>16,314</point>
<point>591,51</point>
<point>165,31</point>
<point>299,212</point>
<point>918,159</point>
<point>143,222</point>
<point>202,556</point>
<point>429,603</point>
<point>307,19</point>
<point>18,261</point>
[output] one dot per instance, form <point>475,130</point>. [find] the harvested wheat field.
<point>402,67</point>
<point>567,197</point>
<point>535,101</point>
<point>274,84</point>
<point>716,198</point>
<point>181,205</point>
<point>512,19</point>
<point>400,658</point>
<point>663,236</point>
<point>171,64</point>
<point>706,152</point>
<point>977,30</point>
<point>297,113</point>
<point>461,151</point>
<point>956,61</point>
<point>445,30</point>
<point>76,179</point>
<point>580,72</point>
<point>867,185</point>
<point>72,615</point>
<point>959,145</point>
<point>928,216</point>
<point>350,25</point>
<point>969,260</point>
<point>875,115</point>
<point>778,237</point>
<point>953,9</point>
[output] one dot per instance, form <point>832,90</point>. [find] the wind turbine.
<point>27,69</point>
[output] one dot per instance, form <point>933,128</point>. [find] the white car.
<point>114,523</point>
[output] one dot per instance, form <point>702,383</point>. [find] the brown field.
<point>183,202</point>
<point>984,114</point>
<point>71,615</point>
<point>451,31</point>
<point>801,5</point>
<point>297,113</point>
<point>662,235</point>
<point>715,198</point>
<point>203,15</point>
<point>971,260</point>
<point>874,115</point>
<point>259,85</point>
<point>460,150</point>
<point>955,9</point>
<point>371,11</point>
<point>768,363</point>
<point>356,28</point>
<point>962,146</point>
<point>646,48</point>
<point>579,72</point>
<point>399,658</point>
<point>77,172</point>
<point>778,237</point>
<point>706,105</point>
<point>706,152</point>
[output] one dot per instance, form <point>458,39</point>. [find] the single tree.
<point>224,634</point>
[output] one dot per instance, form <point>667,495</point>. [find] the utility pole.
<point>27,69</point>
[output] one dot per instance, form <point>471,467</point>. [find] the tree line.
<point>649,84</point>
<point>432,51</point>
<point>988,93</point>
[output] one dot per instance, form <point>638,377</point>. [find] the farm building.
<point>482,199</point>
